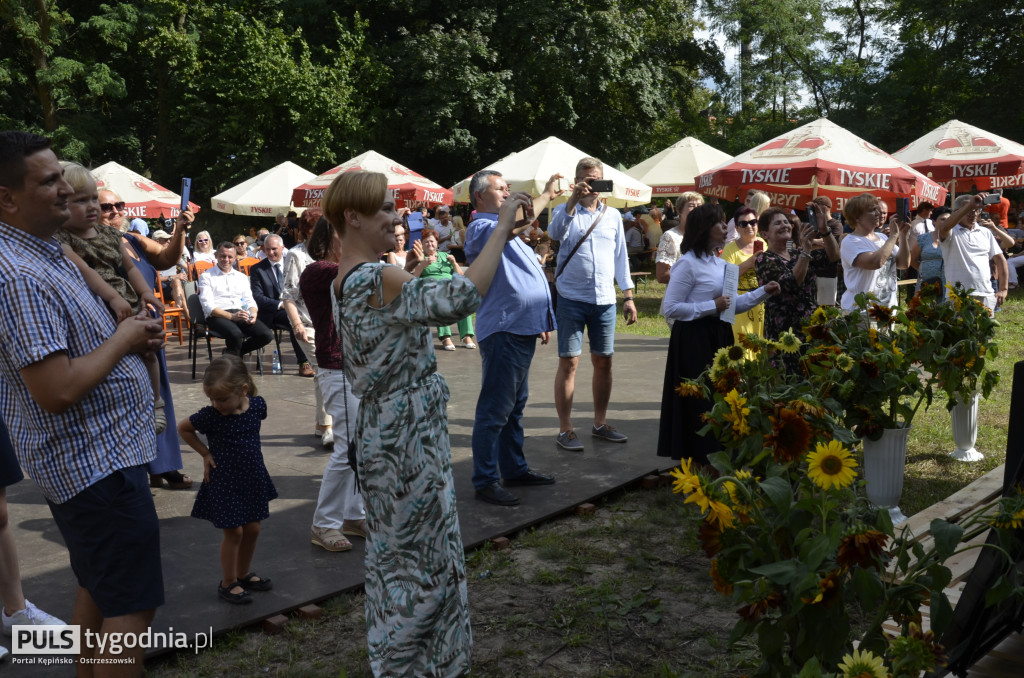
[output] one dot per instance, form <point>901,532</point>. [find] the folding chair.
<point>198,329</point>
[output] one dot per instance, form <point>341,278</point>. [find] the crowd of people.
<point>85,396</point>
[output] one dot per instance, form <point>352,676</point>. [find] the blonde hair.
<point>77,176</point>
<point>359,190</point>
<point>209,241</point>
<point>759,201</point>
<point>227,374</point>
<point>687,197</point>
<point>457,220</point>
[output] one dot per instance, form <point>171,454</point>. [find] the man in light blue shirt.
<point>515,311</point>
<point>586,298</point>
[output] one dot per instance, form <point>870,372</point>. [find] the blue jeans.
<point>598,319</point>
<point>504,388</point>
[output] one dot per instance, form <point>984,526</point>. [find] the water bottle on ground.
<point>275,366</point>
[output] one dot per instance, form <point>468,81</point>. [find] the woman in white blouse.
<point>694,300</point>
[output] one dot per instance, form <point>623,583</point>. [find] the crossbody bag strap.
<point>580,241</point>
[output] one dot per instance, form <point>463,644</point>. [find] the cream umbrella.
<point>266,194</point>
<point>674,171</point>
<point>529,170</point>
<point>142,197</point>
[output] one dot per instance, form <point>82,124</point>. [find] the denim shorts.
<point>113,537</point>
<point>599,319</point>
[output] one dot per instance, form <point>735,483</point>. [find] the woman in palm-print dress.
<point>417,613</point>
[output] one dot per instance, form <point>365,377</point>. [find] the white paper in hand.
<point>730,289</point>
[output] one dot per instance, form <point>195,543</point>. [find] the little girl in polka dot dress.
<point>236,488</point>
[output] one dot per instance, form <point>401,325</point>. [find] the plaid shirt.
<point>45,308</point>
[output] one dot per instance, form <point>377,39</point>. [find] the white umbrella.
<point>529,170</point>
<point>266,194</point>
<point>674,170</point>
<point>405,185</point>
<point>142,197</point>
<point>960,156</point>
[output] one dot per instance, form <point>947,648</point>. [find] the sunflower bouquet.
<point>887,382</point>
<point>808,562</point>
<point>959,340</point>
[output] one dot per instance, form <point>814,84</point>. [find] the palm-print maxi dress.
<point>417,611</point>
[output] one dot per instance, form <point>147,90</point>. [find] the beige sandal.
<point>159,418</point>
<point>354,528</point>
<point>330,539</point>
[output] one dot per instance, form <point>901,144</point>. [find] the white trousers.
<point>339,498</point>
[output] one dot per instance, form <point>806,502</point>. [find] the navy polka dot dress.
<point>240,489</point>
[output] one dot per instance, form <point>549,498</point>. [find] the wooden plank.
<point>982,491</point>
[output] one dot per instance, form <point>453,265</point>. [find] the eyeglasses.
<point>111,206</point>
<point>752,222</point>
<point>202,240</point>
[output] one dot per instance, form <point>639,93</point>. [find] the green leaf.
<point>779,493</point>
<point>811,669</point>
<point>868,588</point>
<point>781,573</point>
<point>941,613</point>
<point>814,552</point>
<point>947,537</point>
<point>1003,588</point>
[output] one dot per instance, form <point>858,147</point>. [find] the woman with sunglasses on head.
<point>741,252</point>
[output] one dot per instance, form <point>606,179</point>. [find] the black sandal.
<point>242,598</point>
<point>259,584</point>
<point>176,480</point>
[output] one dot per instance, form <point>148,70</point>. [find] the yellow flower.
<point>788,343</point>
<point>896,350</point>
<point>688,389</point>
<point>862,664</point>
<point>844,362</point>
<point>1013,522</point>
<point>737,412</point>
<point>685,480</point>
<point>699,498</point>
<point>720,512</point>
<point>831,465</point>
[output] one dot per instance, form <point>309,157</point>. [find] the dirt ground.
<point>622,592</point>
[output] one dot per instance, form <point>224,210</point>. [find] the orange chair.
<point>246,263</point>
<point>200,267</point>
<point>173,318</point>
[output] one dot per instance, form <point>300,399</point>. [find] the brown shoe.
<point>306,370</point>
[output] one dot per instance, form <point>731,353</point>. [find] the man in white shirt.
<point>444,228</point>
<point>967,249</point>
<point>585,281</point>
<point>229,306</point>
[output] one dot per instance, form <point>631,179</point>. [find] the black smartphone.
<point>811,218</point>
<point>186,189</point>
<point>903,209</point>
<point>600,185</point>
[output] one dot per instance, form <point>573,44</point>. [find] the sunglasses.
<point>111,206</point>
<point>203,240</point>
<point>241,242</point>
<point>747,223</point>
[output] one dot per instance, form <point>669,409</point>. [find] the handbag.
<point>553,283</point>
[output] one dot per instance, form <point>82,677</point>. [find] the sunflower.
<point>844,362</point>
<point>883,315</point>
<point>686,481</point>
<point>788,343</point>
<point>721,514</point>
<point>804,407</point>
<point>831,465</point>
<point>828,590</point>
<point>863,548</point>
<point>710,539</point>
<point>1009,521</point>
<point>689,389</point>
<point>917,651</point>
<point>720,584</point>
<point>727,380</point>
<point>753,611</point>
<point>737,415</point>
<point>790,436</point>
<point>736,354</point>
<point>862,664</point>
<point>720,362</point>
<point>748,341</point>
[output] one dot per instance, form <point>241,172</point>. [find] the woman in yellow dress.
<point>741,252</point>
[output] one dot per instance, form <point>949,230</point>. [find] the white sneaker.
<point>3,652</point>
<point>327,440</point>
<point>31,615</point>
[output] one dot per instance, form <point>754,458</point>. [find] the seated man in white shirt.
<point>967,249</point>
<point>229,306</point>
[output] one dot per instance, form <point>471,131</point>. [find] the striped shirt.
<point>45,308</point>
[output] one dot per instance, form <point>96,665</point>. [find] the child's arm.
<point>188,433</point>
<point>135,277</point>
<point>121,308</point>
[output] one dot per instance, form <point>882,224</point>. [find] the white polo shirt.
<point>966,253</point>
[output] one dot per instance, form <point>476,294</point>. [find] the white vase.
<point>965,429</point>
<point>884,465</point>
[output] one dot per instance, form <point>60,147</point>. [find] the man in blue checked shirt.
<point>514,313</point>
<point>585,281</point>
<point>77,402</point>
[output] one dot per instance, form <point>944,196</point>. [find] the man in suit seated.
<point>229,305</point>
<point>266,279</point>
